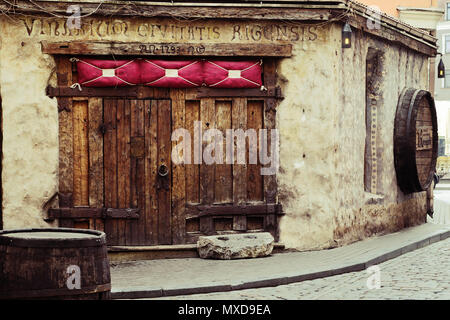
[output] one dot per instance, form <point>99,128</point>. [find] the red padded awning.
<point>169,73</point>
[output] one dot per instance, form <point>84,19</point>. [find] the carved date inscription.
<point>167,49</point>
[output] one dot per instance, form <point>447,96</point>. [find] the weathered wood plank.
<point>192,170</point>
<point>166,49</point>
<point>100,213</point>
<point>203,92</point>
<point>66,91</point>
<point>123,164</point>
<point>192,225</point>
<point>65,172</point>
<point>122,213</point>
<point>223,177</point>
<point>80,154</point>
<point>178,170</point>
<point>223,224</point>
<point>255,120</point>
<point>95,115</point>
<point>197,211</point>
<point>151,158</point>
<point>143,92</point>
<point>110,166</point>
<point>64,75</point>
<point>270,182</point>
<point>255,223</point>
<point>164,158</point>
<point>65,200</point>
<point>137,228</point>
<point>207,118</point>
<point>213,10</point>
<point>239,121</point>
<point>160,93</point>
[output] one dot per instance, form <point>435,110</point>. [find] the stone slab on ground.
<point>235,246</point>
<point>171,277</point>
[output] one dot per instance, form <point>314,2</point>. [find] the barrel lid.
<point>406,163</point>
<point>53,237</point>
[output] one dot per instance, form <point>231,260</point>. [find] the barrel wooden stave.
<point>37,269</point>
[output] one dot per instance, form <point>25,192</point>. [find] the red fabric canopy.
<point>108,73</point>
<point>168,73</point>
<point>171,74</point>
<point>232,74</point>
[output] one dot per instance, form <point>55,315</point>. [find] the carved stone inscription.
<point>157,31</point>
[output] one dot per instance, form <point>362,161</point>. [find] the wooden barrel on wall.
<point>57,263</point>
<point>415,140</point>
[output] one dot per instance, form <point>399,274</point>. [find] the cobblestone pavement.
<point>420,274</point>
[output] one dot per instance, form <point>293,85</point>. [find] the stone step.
<point>235,246</point>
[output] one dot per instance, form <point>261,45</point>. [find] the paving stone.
<point>400,280</point>
<point>430,262</point>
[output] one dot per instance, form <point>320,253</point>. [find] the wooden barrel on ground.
<point>55,263</point>
<point>415,140</point>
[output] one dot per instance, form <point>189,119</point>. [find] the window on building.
<point>448,11</point>
<point>447,43</point>
<point>447,79</point>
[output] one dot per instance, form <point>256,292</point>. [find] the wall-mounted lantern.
<point>346,36</point>
<point>441,69</point>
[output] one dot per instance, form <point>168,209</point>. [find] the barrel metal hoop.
<point>41,293</point>
<point>97,241</point>
<point>411,141</point>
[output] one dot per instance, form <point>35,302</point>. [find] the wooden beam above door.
<point>143,92</point>
<point>166,49</point>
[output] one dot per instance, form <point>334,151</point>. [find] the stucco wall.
<point>321,121</point>
<point>323,141</point>
<point>30,129</point>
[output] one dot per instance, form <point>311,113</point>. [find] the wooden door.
<point>222,198</point>
<point>137,166</point>
<point>222,189</point>
<point>113,142</point>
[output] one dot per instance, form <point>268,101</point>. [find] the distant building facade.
<point>394,7</point>
<point>441,148</point>
<point>442,88</point>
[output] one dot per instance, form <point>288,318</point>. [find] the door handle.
<point>163,181</point>
<point>163,170</point>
